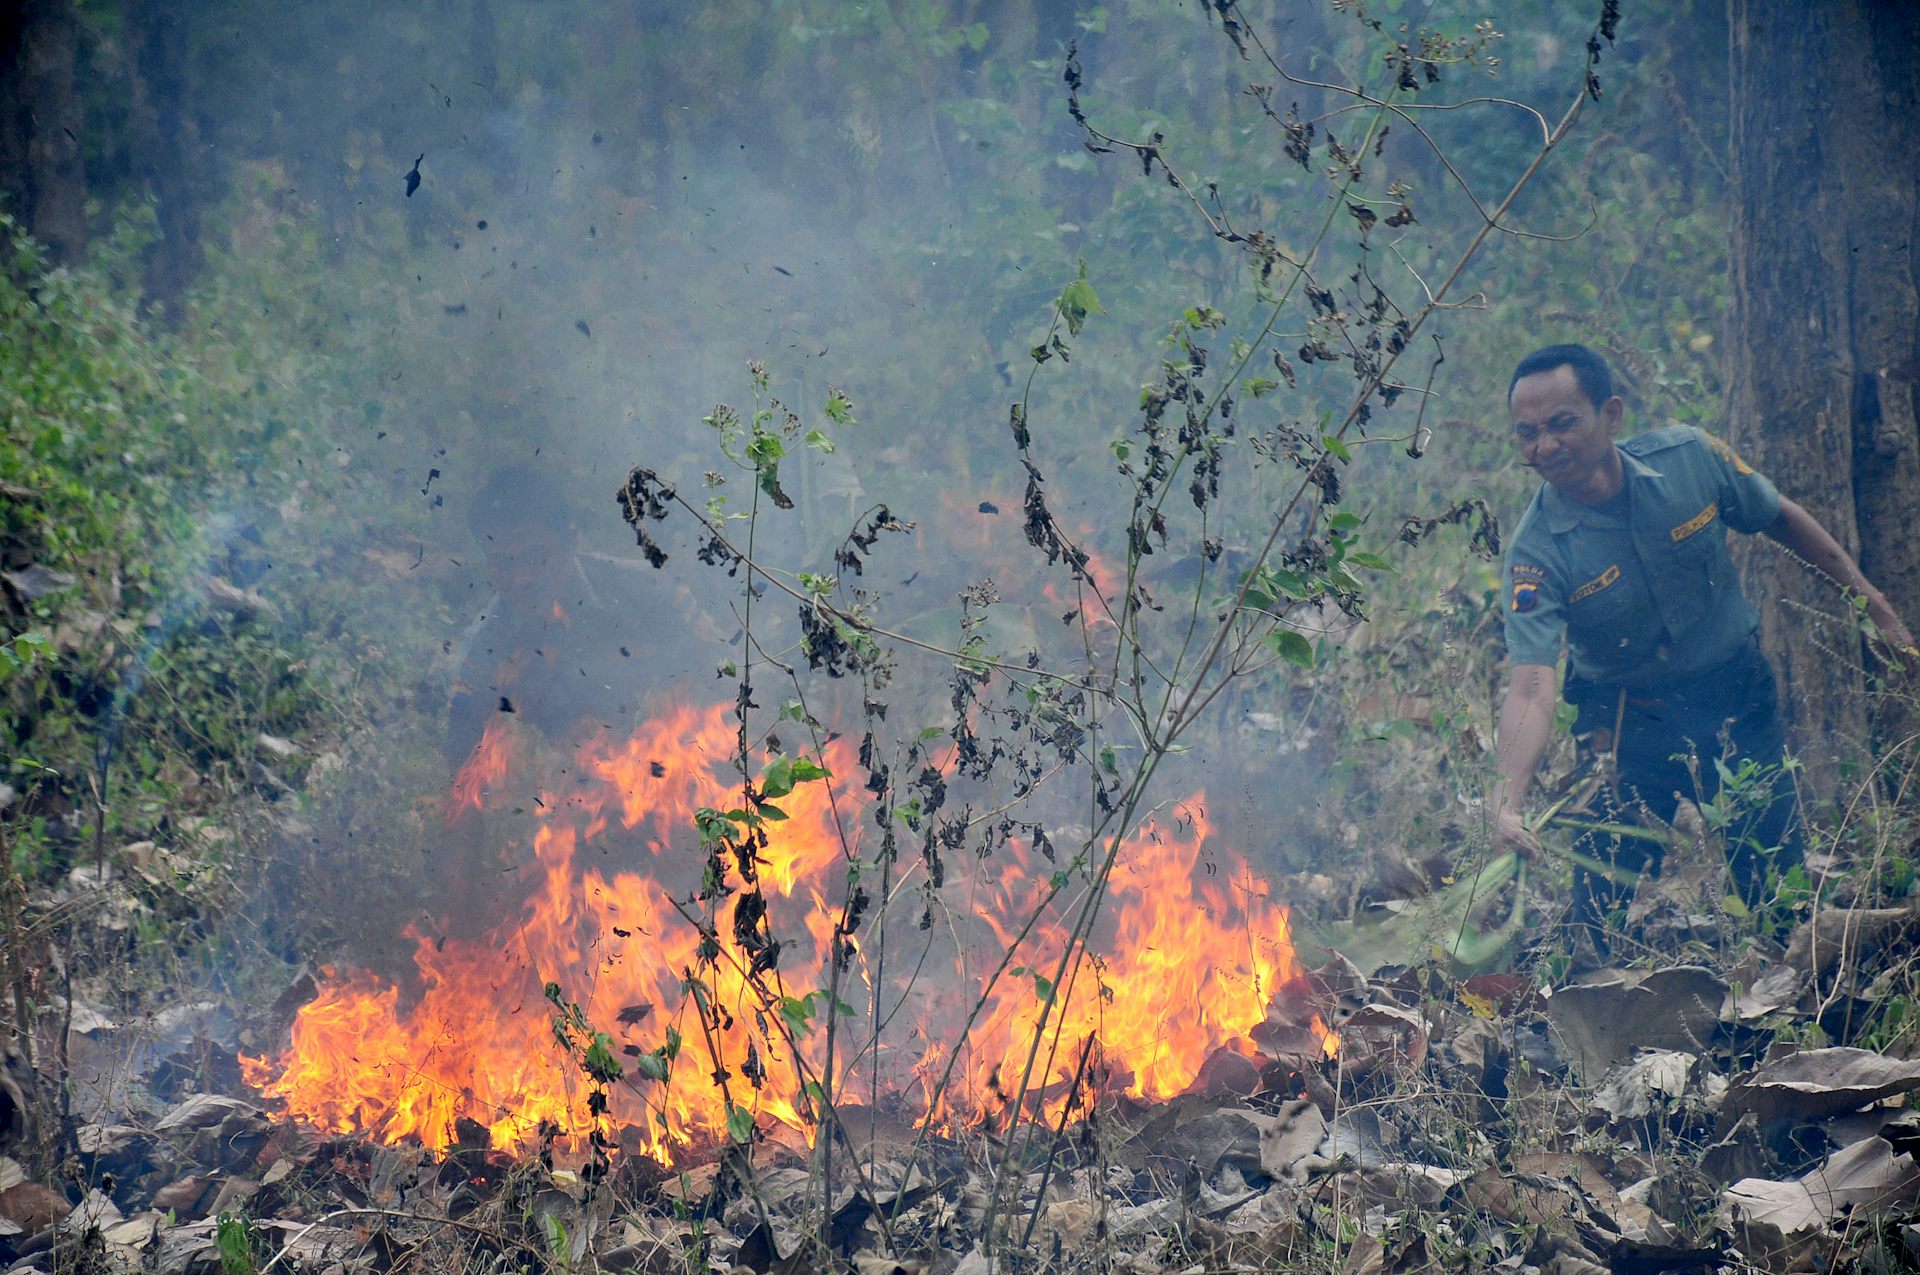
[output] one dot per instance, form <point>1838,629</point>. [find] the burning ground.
<point>1188,963</point>
<point>1195,1113</point>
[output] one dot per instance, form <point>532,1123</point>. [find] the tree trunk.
<point>167,146</point>
<point>40,124</point>
<point>1824,329</point>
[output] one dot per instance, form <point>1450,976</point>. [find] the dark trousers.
<point>1668,741</point>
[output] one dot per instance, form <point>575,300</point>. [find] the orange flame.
<point>1193,953</point>
<point>485,769</point>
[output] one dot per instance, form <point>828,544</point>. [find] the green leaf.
<point>600,1062</point>
<point>797,1013</point>
<point>1371,561</point>
<point>818,440</point>
<point>740,1125</point>
<point>651,1065</point>
<point>1291,647</point>
<point>807,771</point>
<point>839,407</point>
<point>1043,988</point>
<point>1078,301</point>
<point>765,448</point>
<point>557,1245</point>
<point>715,828</point>
<point>234,1244</point>
<point>1108,761</point>
<point>777,779</point>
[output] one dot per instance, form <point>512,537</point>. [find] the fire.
<point>1186,958</point>
<point>1186,969</point>
<point>484,771</point>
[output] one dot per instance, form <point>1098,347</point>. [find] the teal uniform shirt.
<point>1641,586</point>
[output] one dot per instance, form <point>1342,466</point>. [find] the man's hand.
<point>1510,832</point>
<point>1895,644</point>
<point>1526,724</point>
<point>1801,532</point>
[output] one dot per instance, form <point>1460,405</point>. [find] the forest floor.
<point>1718,1102</point>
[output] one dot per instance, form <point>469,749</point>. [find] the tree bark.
<point>1824,329</point>
<point>41,122</point>
<point>167,145</point>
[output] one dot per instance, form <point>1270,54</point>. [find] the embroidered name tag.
<point>1695,523</point>
<point>1604,580</point>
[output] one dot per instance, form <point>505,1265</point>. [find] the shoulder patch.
<point>1605,580</point>
<point>1528,571</point>
<point>1696,523</point>
<point>1725,451</point>
<point>1526,595</point>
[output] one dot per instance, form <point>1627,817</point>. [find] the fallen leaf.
<point>1773,991</point>
<point>1865,1178</point>
<point>1816,1083</point>
<point>1296,1133</point>
<point>1596,1025</point>
<point>1647,1086</point>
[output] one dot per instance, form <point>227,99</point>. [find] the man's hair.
<point>1596,381</point>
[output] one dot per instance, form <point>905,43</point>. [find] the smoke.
<point>619,207</point>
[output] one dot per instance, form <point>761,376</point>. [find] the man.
<point>1623,552</point>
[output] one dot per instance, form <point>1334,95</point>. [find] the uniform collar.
<point>1564,515</point>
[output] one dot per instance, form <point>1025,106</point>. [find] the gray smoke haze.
<point>612,220</point>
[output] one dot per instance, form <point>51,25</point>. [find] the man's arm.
<point>1801,532</point>
<point>1526,728</point>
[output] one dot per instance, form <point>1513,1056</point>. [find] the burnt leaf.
<point>770,484</point>
<point>1484,540</point>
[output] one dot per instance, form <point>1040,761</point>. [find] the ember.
<point>1187,959</point>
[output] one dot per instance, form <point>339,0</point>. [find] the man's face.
<point>1564,437</point>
